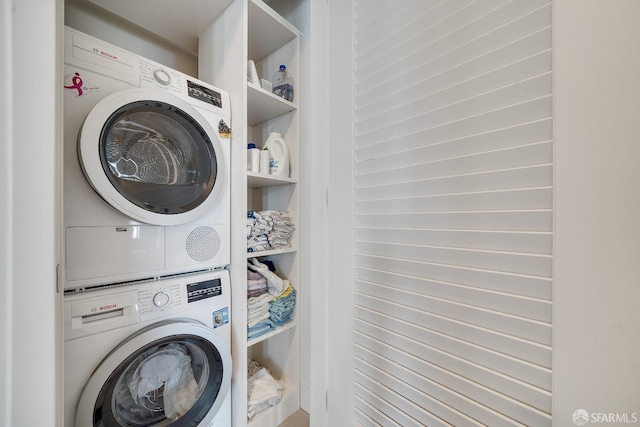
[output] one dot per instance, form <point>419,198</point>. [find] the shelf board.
<point>260,180</point>
<point>263,105</point>
<point>268,30</point>
<point>289,325</point>
<point>179,22</point>
<point>291,249</point>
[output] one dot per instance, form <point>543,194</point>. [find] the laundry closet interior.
<point>213,41</point>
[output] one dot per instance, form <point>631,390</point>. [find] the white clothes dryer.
<point>146,168</point>
<point>149,355</point>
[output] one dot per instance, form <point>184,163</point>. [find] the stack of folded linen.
<point>268,230</point>
<point>282,307</point>
<point>256,284</point>
<point>258,304</point>
<point>271,299</point>
<point>262,389</point>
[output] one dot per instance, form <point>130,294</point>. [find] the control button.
<point>162,77</point>
<point>161,299</point>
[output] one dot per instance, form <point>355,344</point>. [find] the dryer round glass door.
<point>173,373</point>
<point>152,156</point>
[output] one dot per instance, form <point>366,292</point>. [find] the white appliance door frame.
<point>162,332</point>
<point>90,146</point>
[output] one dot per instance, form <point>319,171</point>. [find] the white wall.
<point>339,216</point>
<point>314,124</point>
<point>29,112</point>
<point>310,18</point>
<point>597,208</point>
<point>90,19</point>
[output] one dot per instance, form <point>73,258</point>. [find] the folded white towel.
<point>258,319</point>
<point>257,301</point>
<point>257,311</point>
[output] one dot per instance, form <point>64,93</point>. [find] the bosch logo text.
<point>108,307</point>
<point>107,54</point>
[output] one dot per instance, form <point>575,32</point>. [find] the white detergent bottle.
<point>278,154</point>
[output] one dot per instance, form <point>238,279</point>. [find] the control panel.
<point>159,298</point>
<point>154,75</point>
<point>168,295</point>
<point>115,307</point>
<point>202,290</point>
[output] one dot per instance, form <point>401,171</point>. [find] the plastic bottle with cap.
<point>264,161</point>
<point>283,84</point>
<point>253,158</point>
<point>278,154</point>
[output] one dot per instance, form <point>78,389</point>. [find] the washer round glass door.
<point>173,373</point>
<point>152,156</point>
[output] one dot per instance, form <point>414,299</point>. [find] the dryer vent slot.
<point>96,317</point>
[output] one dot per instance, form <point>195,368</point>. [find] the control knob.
<point>161,299</point>
<point>162,77</point>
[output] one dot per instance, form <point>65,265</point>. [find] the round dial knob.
<point>162,77</point>
<point>161,299</point>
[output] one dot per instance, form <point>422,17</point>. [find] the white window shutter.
<point>453,212</point>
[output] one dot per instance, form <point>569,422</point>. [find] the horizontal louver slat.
<point>450,128</point>
<point>523,371</point>
<point>447,404</point>
<point>532,265</point>
<point>425,80</point>
<point>515,199</point>
<point>527,112</point>
<point>404,155</point>
<point>380,354</point>
<point>431,94</point>
<point>523,220</point>
<point>511,304</point>
<point>535,331</point>
<point>513,346</point>
<point>429,112</point>
<point>374,36</point>
<point>527,156</point>
<point>499,281</point>
<point>536,243</point>
<point>500,383</point>
<point>398,393</point>
<point>475,37</point>
<point>522,177</point>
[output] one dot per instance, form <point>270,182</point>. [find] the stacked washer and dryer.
<point>146,242</point>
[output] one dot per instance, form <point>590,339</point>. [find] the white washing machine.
<point>152,354</point>
<point>146,168</point>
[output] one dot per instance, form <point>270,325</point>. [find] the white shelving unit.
<point>273,41</point>
<point>252,30</point>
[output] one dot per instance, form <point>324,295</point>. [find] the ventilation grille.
<point>203,243</point>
